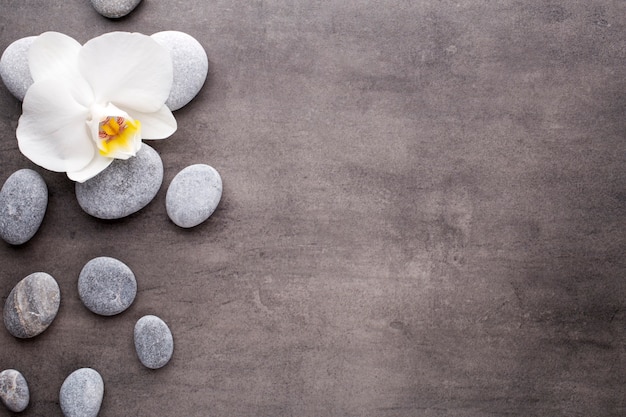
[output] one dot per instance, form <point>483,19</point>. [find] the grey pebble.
<point>81,393</point>
<point>14,69</point>
<point>23,203</point>
<point>124,188</point>
<point>106,286</point>
<point>193,195</point>
<point>153,342</point>
<point>190,64</point>
<point>14,390</point>
<point>114,8</point>
<point>32,305</point>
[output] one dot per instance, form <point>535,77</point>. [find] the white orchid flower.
<point>94,103</point>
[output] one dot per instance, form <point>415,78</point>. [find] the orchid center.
<point>117,133</point>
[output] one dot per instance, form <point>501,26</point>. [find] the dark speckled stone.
<point>14,391</point>
<point>23,203</point>
<point>32,305</point>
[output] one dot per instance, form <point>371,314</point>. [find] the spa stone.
<point>14,390</point>
<point>23,203</point>
<point>123,188</point>
<point>81,393</point>
<point>106,286</point>
<point>32,305</point>
<point>190,65</point>
<point>114,9</point>
<point>193,195</point>
<point>153,342</point>
<point>14,69</point>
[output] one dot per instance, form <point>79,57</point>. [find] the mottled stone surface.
<point>14,391</point>
<point>107,286</point>
<point>423,215</point>
<point>14,69</point>
<point>23,203</point>
<point>124,188</point>
<point>193,195</point>
<point>190,64</point>
<point>115,8</point>
<point>81,393</point>
<point>32,305</point>
<point>153,342</point>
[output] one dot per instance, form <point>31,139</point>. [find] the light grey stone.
<point>23,203</point>
<point>32,305</point>
<point>14,69</point>
<point>114,8</point>
<point>107,286</point>
<point>124,188</point>
<point>81,393</point>
<point>190,64</point>
<point>193,195</point>
<point>14,390</point>
<point>153,342</point>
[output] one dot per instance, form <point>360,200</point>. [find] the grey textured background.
<point>423,215</point>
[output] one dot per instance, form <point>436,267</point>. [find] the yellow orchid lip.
<point>117,133</point>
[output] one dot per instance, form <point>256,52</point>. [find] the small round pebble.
<point>153,342</point>
<point>14,390</point>
<point>23,203</point>
<point>107,286</point>
<point>190,65</point>
<point>14,69</point>
<point>114,8</point>
<point>124,188</point>
<point>193,195</point>
<point>81,393</point>
<point>32,305</point>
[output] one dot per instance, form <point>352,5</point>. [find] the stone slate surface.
<point>423,215</point>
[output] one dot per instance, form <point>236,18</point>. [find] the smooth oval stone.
<point>190,65</point>
<point>81,393</point>
<point>153,342</point>
<point>193,195</point>
<point>32,305</point>
<point>107,286</point>
<point>23,203</point>
<point>114,8</point>
<point>124,188</point>
<point>14,69</point>
<point>14,390</point>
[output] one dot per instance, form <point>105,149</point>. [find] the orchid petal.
<point>51,54</point>
<point>130,70</point>
<point>96,166</point>
<point>52,131</point>
<point>156,125</point>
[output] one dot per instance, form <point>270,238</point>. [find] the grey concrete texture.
<point>423,215</point>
